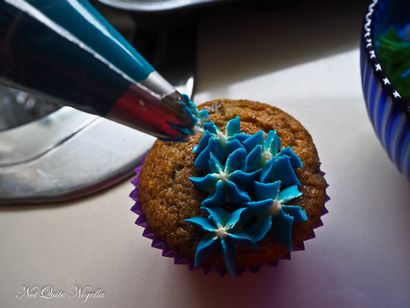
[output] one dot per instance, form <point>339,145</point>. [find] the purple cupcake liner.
<point>167,252</point>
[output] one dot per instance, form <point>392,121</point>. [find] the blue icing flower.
<point>219,143</point>
<point>262,150</point>
<point>281,169</point>
<point>232,130</point>
<point>272,212</point>
<point>199,116</point>
<point>248,176</point>
<point>226,183</point>
<point>221,228</point>
<point>219,150</point>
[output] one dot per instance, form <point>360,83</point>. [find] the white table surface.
<point>359,258</point>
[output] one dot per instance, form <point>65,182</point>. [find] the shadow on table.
<point>260,289</point>
<point>249,42</point>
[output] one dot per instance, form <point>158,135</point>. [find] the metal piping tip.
<point>168,118</point>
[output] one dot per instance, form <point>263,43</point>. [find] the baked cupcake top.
<point>235,199</point>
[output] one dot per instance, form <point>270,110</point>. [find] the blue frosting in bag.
<point>250,180</point>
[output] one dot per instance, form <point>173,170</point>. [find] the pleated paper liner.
<point>167,252</point>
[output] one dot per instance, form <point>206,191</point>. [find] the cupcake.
<point>243,192</point>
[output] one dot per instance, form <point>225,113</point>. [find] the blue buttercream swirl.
<point>250,180</point>
<point>196,116</point>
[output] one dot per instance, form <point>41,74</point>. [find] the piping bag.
<point>64,50</point>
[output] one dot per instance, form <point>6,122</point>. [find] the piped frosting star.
<point>226,183</point>
<point>262,150</point>
<point>219,143</point>
<point>245,175</point>
<point>281,168</point>
<point>223,229</point>
<point>272,212</point>
<point>199,116</point>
